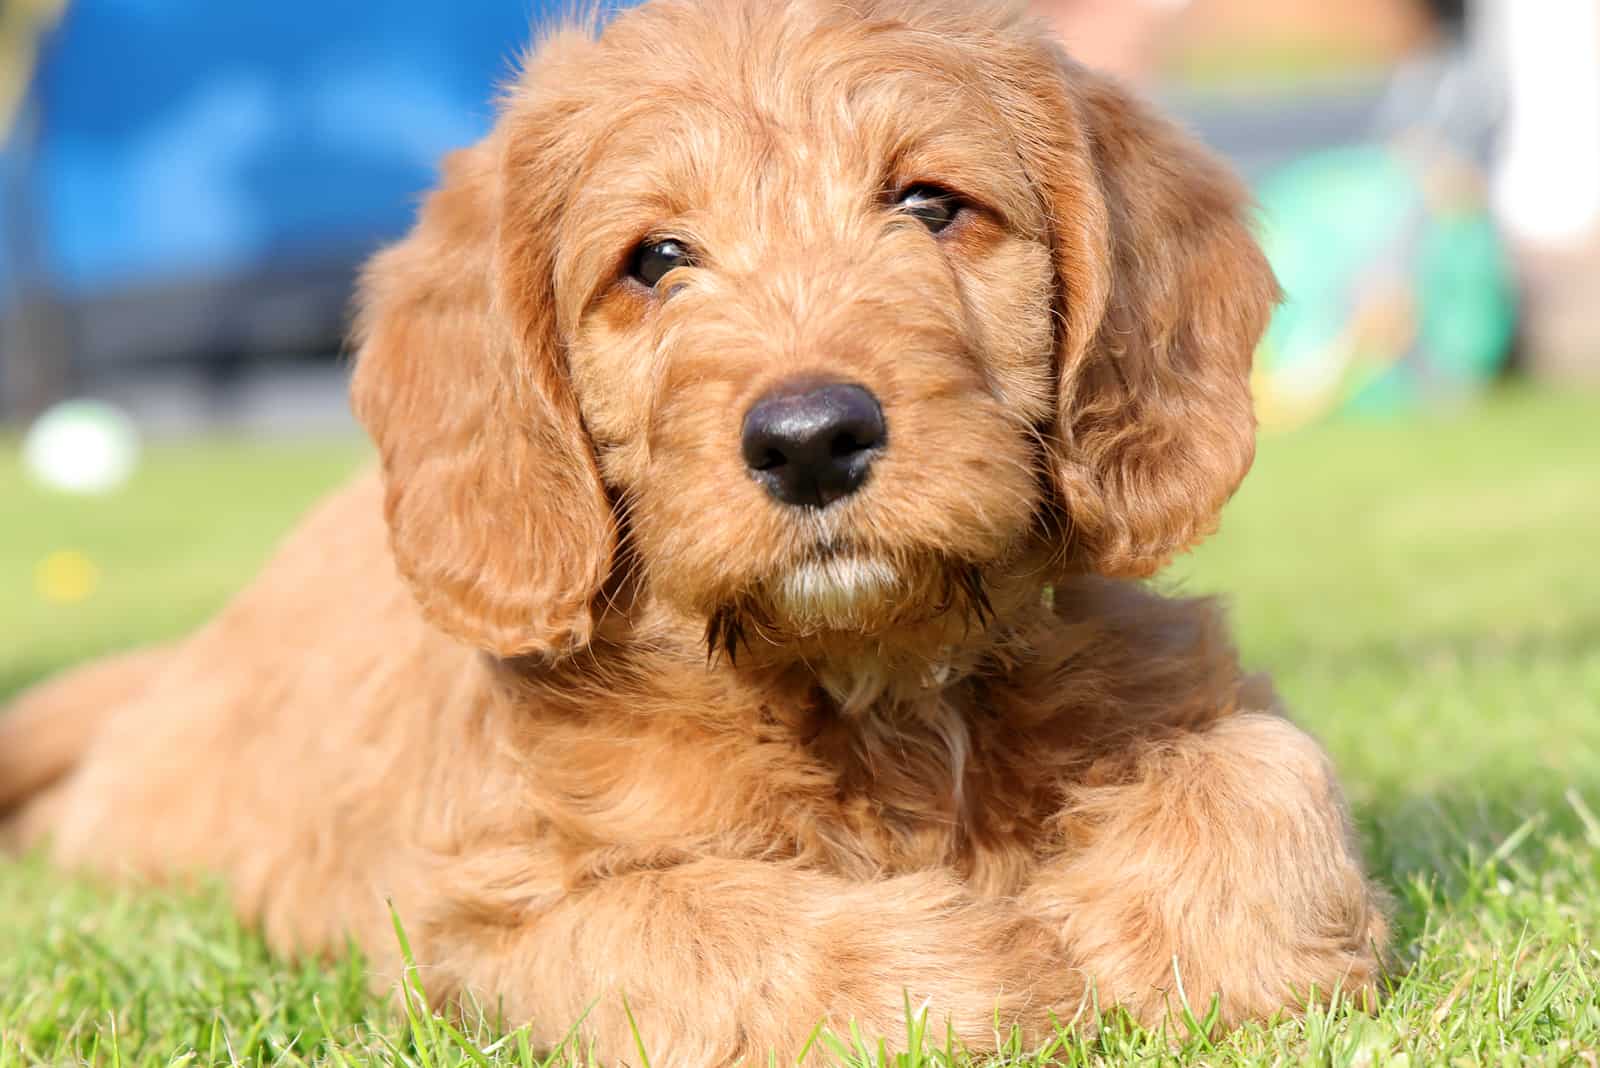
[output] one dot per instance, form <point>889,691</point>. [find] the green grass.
<point>1426,594</point>
<point>190,527</point>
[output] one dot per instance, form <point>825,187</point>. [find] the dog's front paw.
<point>1222,873</point>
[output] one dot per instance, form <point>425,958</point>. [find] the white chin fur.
<point>839,592</point>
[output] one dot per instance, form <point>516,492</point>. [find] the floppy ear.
<point>496,512</point>
<point>1164,296</point>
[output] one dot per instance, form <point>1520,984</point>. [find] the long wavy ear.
<point>1164,296</point>
<point>497,515</point>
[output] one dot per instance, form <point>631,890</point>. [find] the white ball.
<point>81,446</point>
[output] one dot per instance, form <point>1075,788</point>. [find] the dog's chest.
<point>861,796</point>
<point>929,787</point>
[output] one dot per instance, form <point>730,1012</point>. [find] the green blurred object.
<point>1398,290</point>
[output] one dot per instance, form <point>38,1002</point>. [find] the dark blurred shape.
<point>1451,13</point>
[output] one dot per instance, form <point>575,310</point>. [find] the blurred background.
<point>186,189</point>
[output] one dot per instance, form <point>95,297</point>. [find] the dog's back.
<point>232,750</point>
<point>50,729</point>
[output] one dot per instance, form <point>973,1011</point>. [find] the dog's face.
<point>810,314</point>
<point>828,311</point>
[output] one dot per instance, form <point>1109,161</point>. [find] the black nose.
<point>811,445</point>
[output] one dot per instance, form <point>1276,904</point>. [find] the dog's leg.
<point>49,728</point>
<point>1214,864</point>
<point>727,960</point>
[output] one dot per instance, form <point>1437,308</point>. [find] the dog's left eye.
<point>653,259</point>
<point>933,207</point>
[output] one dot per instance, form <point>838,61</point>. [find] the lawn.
<point>1427,595</point>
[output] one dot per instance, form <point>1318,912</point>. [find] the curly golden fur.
<point>943,745</point>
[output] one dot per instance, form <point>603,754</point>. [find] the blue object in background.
<point>175,140</point>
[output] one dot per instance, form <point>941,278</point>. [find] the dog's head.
<point>822,312</point>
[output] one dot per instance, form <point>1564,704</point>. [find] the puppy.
<point>774,410</point>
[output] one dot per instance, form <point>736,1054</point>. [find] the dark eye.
<point>653,259</point>
<point>933,207</point>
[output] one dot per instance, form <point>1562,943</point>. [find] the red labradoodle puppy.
<point>875,345</point>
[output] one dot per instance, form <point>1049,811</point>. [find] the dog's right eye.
<point>653,259</point>
<point>932,206</point>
